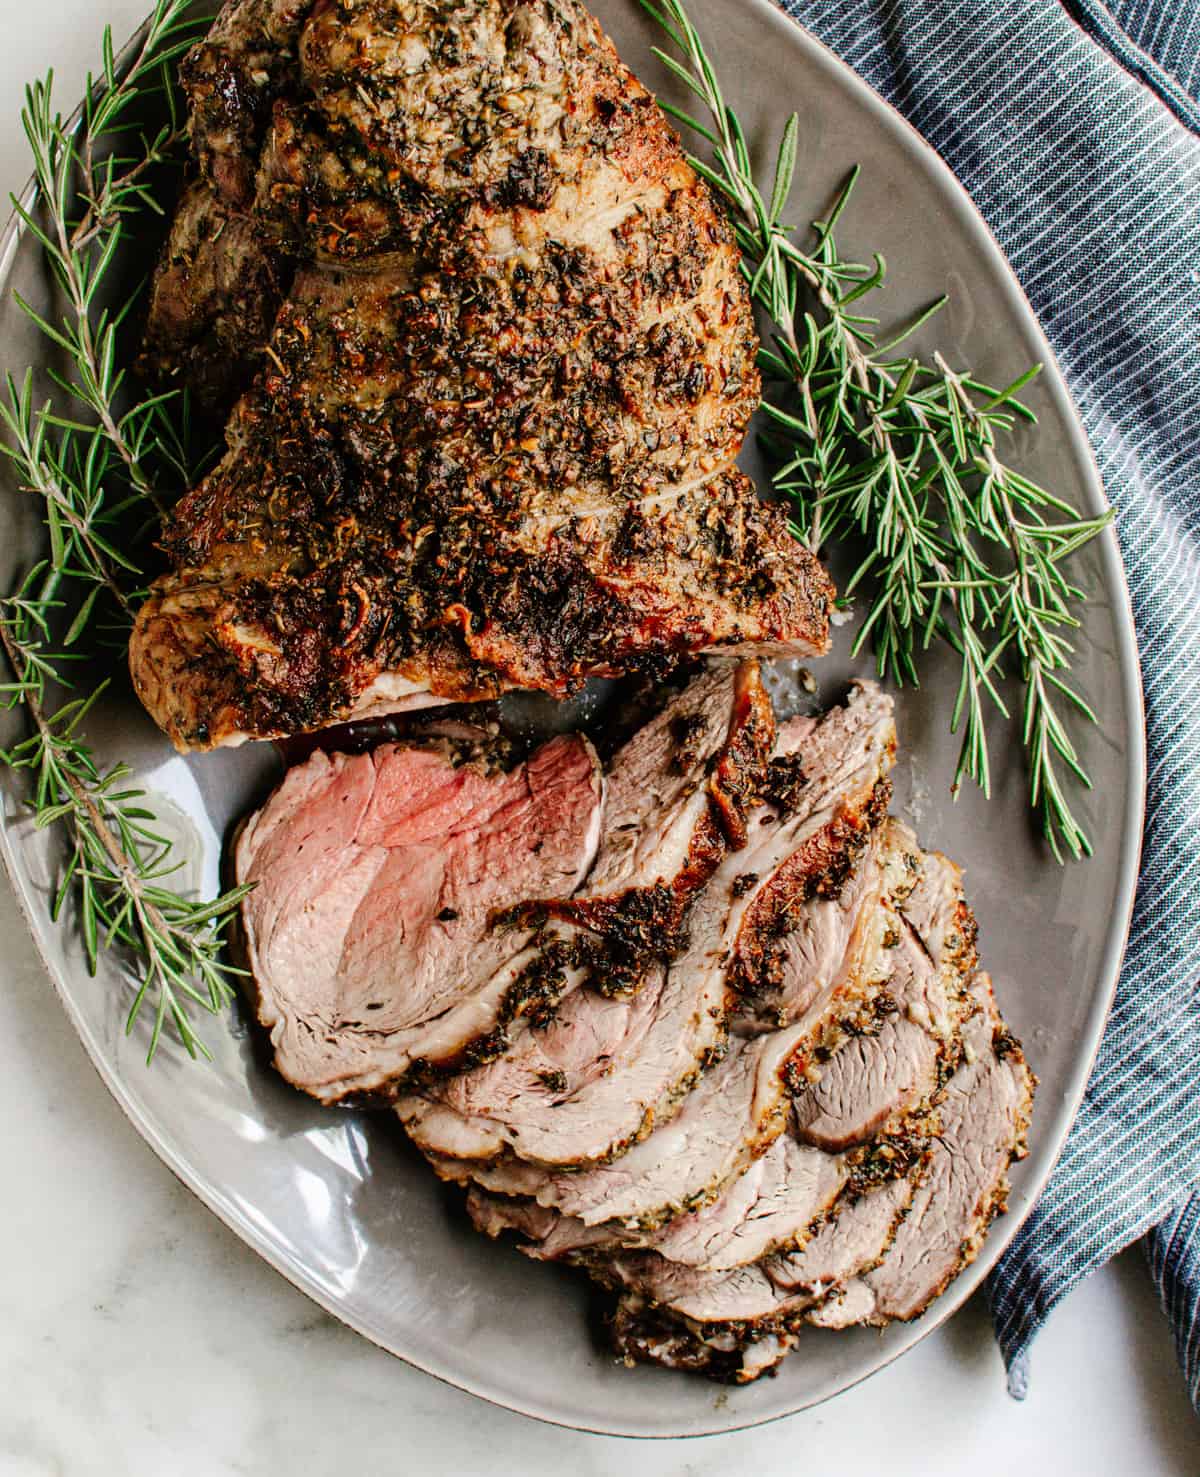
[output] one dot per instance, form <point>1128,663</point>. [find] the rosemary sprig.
<point>901,456</point>
<point>117,864</point>
<point>95,465</point>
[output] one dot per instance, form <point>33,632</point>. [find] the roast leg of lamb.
<point>491,444</point>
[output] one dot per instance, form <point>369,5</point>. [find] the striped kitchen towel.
<point>1076,129</point>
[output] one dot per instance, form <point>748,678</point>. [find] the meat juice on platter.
<point>686,1009</point>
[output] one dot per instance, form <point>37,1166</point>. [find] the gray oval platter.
<point>332,1199</point>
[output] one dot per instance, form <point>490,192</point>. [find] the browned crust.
<point>213,300</point>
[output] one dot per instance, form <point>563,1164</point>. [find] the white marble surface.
<point>139,1338</point>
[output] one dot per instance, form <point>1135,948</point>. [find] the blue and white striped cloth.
<point>1076,129</point>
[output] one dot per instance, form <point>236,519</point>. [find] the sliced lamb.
<point>769,1294</point>
<point>584,1088</point>
<point>775,1206</point>
<point>580,1087</point>
<point>887,1253</point>
<point>778,1197</point>
<point>777,1200</point>
<point>676,798</point>
<point>786,959</point>
<point>368,933</point>
<point>679,789</point>
<point>985,1117</point>
<point>735,1326</point>
<point>898,1061</point>
<point>794,934</point>
<point>885,1257</point>
<point>848,1243</point>
<point>733,1115</point>
<point>875,1086</point>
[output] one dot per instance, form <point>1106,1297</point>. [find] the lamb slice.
<point>847,1244</point>
<point>985,1117</point>
<point>795,935</point>
<point>734,1114</point>
<point>776,1205</point>
<point>906,1045</point>
<point>676,799</point>
<point>777,1199</point>
<point>603,1074</point>
<point>685,776</point>
<point>742,1296</point>
<point>771,1205</point>
<point>787,957</point>
<point>736,1326</point>
<point>580,1087</point>
<point>369,933</point>
<point>768,1294</point>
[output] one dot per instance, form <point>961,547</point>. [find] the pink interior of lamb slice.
<point>386,867</point>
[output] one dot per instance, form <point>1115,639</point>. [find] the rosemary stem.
<point>87,471</point>
<point>90,365</point>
